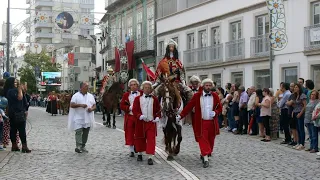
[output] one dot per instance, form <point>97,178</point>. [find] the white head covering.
<point>172,42</point>
<point>207,81</point>
<point>133,80</point>
<point>194,78</point>
<point>146,82</point>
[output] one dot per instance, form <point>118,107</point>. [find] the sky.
<point>17,16</point>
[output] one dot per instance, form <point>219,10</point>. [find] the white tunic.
<point>206,106</point>
<point>80,117</point>
<point>131,99</point>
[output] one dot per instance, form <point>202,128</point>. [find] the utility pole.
<point>8,37</point>
<point>271,53</point>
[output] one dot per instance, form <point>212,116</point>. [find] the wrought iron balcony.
<point>203,56</point>
<point>260,46</point>
<point>143,44</point>
<point>110,54</point>
<point>110,4</point>
<point>312,38</point>
<point>235,50</point>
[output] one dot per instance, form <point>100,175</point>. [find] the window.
<point>316,13</point>
<point>237,77</point>
<point>150,14</point>
<point>161,49</point>
<point>176,39</point>
<point>262,23</point>
<point>190,41</point>
<point>129,27</point>
<point>262,78</point>
<point>316,76</point>
<point>202,38</point>
<point>290,75</point>
<point>215,36</point>
<point>139,25</point>
<point>236,32</point>
<point>202,77</point>
<point>217,79</point>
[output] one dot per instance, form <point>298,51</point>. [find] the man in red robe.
<point>207,109</point>
<point>195,84</point>
<point>126,105</point>
<point>146,108</point>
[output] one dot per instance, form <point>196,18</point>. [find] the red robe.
<point>129,118</point>
<point>145,132</point>
<point>198,123</point>
<point>174,65</point>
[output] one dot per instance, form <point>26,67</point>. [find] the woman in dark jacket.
<point>16,104</point>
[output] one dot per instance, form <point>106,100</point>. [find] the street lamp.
<point>8,37</point>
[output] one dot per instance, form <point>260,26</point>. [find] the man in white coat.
<point>81,116</point>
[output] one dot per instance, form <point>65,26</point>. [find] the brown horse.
<point>110,101</point>
<point>171,102</point>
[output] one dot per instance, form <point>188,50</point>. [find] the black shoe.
<point>139,158</point>
<point>150,161</point>
<point>77,150</point>
<point>132,154</point>
<point>206,164</point>
<point>284,142</point>
<point>292,143</point>
<point>202,159</point>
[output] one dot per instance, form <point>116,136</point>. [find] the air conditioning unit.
<point>85,68</point>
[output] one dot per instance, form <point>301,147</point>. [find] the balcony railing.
<point>203,56</point>
<point>44,35</point>
<point>260,46</point>
<point>40,25</point>
<point>143,44</point>
<point>110,54</point>
<point>235,50</point>
<point>167,7</point>
<point>312,38</point>
<point>43,3</point>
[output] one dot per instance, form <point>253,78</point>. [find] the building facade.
<point>129,20</point>
<point>231,43</point>
<point>67,26</point>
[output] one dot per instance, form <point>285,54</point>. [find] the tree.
<point>27,72</point>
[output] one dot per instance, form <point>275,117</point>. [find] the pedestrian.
<point>243,112</point>
<point>235,105</point>
<point>17,113</point>
<point>265,113</point>
<point>206,125</point>
<point>251,110</point>
<point>259,120</point>
<point>146,108</point>
<point>312,129</point>
<point>284,112</point>
<point>275,116</point>
<point>81,116</point>
<point>126,105</point>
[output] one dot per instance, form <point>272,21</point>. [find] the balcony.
<point>144,44</point>
<point>40,3</point>
<point>166,8</point>
<point>312,38</point>
<point>41,25</point>
<point>203,56</point>
<point>235,50</point>
<point>110,54</point>
<point>112,4</point>
<point>44,35</point>
<point>260,46</point>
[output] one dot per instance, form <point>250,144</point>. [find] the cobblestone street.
<point>235,157</point>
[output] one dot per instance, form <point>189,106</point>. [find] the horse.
<point>171,102</point>
<point>110,100</point>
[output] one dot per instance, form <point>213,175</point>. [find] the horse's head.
<point>171,99</point>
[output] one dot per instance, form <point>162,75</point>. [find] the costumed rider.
<point>126,105</point>
<point>170,66</point>
<point>111,78</point>
<point>146,108</point>
<point>207,109</point>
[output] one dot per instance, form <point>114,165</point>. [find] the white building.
<point>227,40</point>
<point>68,26</point>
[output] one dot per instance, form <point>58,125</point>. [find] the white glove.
<point>130,108</point>
<point>143,118</point>
<point>178,118</point>
<point>156,120</point>
<point>212,114</point>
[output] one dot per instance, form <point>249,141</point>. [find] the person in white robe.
<point>81,116</point>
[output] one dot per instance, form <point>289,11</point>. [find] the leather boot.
<point>15,147</point>
<point>25,149</point>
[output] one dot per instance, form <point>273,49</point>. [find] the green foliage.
<point>27,72</point>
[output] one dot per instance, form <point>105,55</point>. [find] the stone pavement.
<point>235,157</point>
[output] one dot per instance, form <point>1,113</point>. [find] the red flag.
<point>71,59</point>
<point>130,50</point>
<point>150,74</point>
<point>117,60</point>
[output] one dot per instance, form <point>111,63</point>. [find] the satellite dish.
<point>36,48</point>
